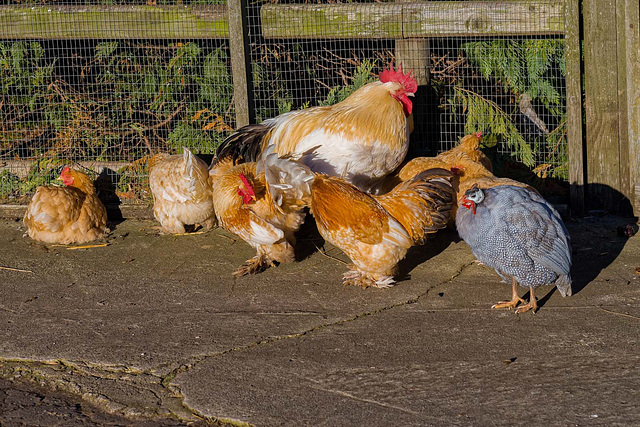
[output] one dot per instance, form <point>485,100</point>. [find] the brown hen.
<point>70,214</point>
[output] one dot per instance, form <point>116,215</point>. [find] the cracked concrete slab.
<point>154,326</point>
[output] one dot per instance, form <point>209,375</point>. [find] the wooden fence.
<point>602,123</point>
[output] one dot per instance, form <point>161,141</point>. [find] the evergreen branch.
<point>496,120</point>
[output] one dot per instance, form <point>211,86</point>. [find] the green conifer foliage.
<point>530,72</point>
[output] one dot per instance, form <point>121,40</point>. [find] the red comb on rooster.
<point>407,80</point>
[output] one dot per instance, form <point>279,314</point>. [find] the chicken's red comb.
<point>406,80</point>
<point>479,135</point>
<point>457,170</point>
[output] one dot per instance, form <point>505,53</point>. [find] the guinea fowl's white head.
<point>471,198</point>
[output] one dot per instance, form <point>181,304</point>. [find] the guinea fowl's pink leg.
<point>515,299</point>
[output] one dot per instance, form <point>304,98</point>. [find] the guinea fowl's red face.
<point>471,198</point>
<point>468,203</point>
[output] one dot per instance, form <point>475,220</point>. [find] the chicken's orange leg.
<point>515,299</point>
<point>255,265</point>
<point>532,305</point>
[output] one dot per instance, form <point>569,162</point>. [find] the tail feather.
<point>289,181</point>
<point>563,283</point>
<point>423,204</point>
<point>244,145</point>
<point>187,159</point>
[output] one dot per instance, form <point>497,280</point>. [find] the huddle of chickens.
<point>344,164</point>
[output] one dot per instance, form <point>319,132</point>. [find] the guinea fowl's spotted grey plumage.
<point>520,235</point>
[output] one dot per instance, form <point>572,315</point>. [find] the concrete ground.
<point>154,330</point>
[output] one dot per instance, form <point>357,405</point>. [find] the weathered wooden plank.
<point>240,62</point>
<point>474,18</point>
<point>21,168</point>
<point>112,22</point>
<point>601,103</point>
<point>574,108</point>
<point>409,20</point>
<point>365,20</point>
<point>629,33</point>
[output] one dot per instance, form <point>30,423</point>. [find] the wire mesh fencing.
<point>106,86</point>
<point>103,87</point>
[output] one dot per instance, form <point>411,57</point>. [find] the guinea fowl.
<point>519,234</point>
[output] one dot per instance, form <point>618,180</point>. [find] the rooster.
<point>361,139</point>
<point>181,192</point>
<point>70,214</point>
<point>374,231</point>
<point>245,207</point>
<point>520,235</point>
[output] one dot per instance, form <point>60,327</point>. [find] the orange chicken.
<point>245,207</point>
<point>470,173</point>
<point>361,139</point>
<point>469,147</point>
<point>181,192</point>
<point>467,162</point>
<point>374,231</point>
<point>70,214</point>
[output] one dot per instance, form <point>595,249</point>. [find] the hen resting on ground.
<point>374,231</point>
<point>71,214</point>
<point>245,207</point>
<point>181,192</point>
<point>519,234</point>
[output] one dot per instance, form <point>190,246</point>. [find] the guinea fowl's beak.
<point>410,94</point>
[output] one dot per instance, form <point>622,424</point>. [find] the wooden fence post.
<point>574,107</point>
<point>413,54</point>
<point>629,89</point>
<point>240,62</point>
<point>611,103</point>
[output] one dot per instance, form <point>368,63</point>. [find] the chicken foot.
<point>255,265</point>
<point>364,280</point>
<point>515,298</point>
